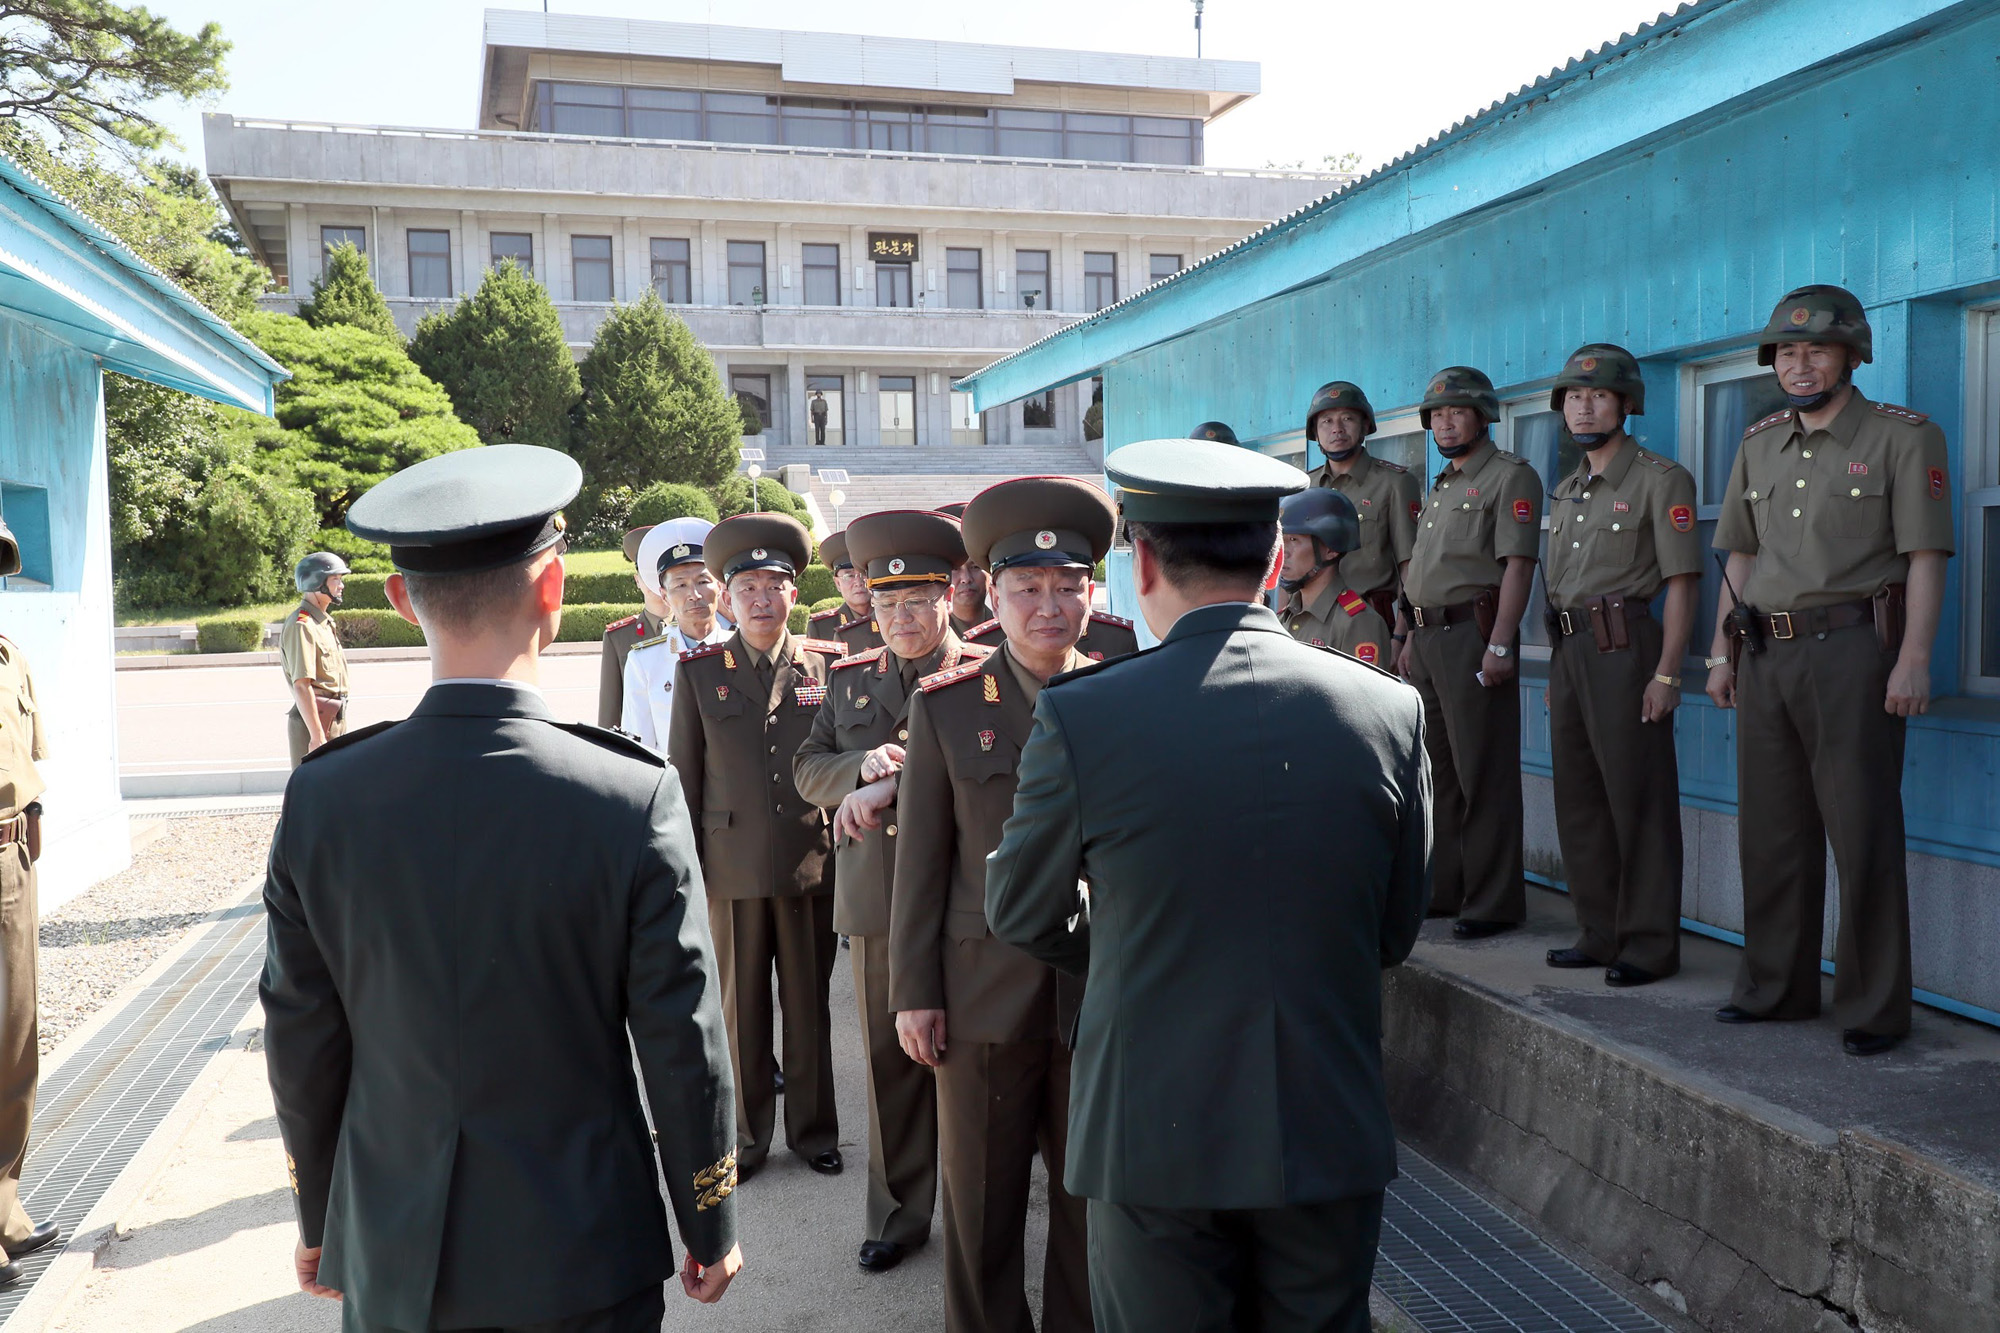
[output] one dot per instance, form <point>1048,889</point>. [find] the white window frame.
<point>1511,410</point>
<point>1695,377</point>
<point>1980,485</point>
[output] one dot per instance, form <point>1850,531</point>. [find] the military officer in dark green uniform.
<point>1228,1119</point>
<point>970,588</point>
<point>1322,608</point>
<point>621,636</point>
<point>1838,523</point>
<point>452,1008</point>
<point>1105,636</point>
<point>1385,495</point>
<point>851,624</point>
<point>1621,527</point>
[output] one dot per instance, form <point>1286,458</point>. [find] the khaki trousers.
<point>902,1109</point>
<point>752,935</point>
<point>997,1103</point>
<point>298,738</point>
<point>1618,801</point>
<point>1473,735</point>
<point>1818,760</point>
<point>20,1057</point>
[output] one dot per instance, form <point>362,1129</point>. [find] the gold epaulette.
<point>706,650</point>
<point>937,680</point>
<point>859,659</point>
<point>827,646</point>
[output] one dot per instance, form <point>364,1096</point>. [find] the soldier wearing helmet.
<point>1386,496</point>
<point>1471,567</point>
<point>1320,534</point>
<point>309,651</point>
<point>1621,527</point>
<point>1837,519</point>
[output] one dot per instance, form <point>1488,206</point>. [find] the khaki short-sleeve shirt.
<point>1386,500</point>
<point>1475,517</point>
<point>309,650</point>
<point>1832,515</point>
<point>1626,530</point>
<point>21,738</point>
<point>1339,617</point>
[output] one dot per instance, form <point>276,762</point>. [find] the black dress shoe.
<point>745,1170</point>
<point>1435,912</point>
<point>1856,1042</point>
<point>10,1273</point>
<point>1571,958</point>
<point>1478,930</point>
<point>827,1163</point>
<point>1624,974</point>
<point>1730,1013</point>
<point>778,1081</point>
<point>879,1256</point>
<point>43,1236</point>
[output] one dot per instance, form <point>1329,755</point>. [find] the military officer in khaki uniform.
<point>1467,585</point>
<point>852,624</point>
<point>1621,527</point>
<point>850,766</point>
<point>979,1011</point>
<point>21,787</point>
<point>623,635</point>
<point>741,708</point>
<point>1321,533</point>
<point>1386,497</point>
<point>1838,523</point>
<point>309,651</point>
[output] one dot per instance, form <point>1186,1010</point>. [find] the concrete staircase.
<point>914,478</point>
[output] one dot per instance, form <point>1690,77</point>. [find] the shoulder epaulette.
<point>612,738</point>
<point>857,624</point>
<point>1351,602</point>
<point>621,624</point>
<point>1393,467</point>
<point>346,739</point>
<point>937,680</point>
<point>822,615</point>
<point>1511,457</point>
<point>1653,460</point>
<point>978,652</point>
<point>1772,420</point>
<point>706,650</point>
<point>1106,618</point>
<point>1106,665</point>
<point>661,637</point>
<point>983,627</point>
<point>1915,418</point>
<point>859,659</point>
<point>830,646</point>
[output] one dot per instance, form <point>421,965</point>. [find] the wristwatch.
<point>1671,682</point>
<point>1713,662</point>
<point>1499,650</point>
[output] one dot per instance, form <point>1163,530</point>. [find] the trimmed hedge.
<point>816,584</point>
<point>363,592</point>
<point>584,622</point>
<point>797,619</point>
<point>587,589</point>
<point>370,628</point>
<point>825,604</point>
<point>229,634</point>
<point>665,500</point>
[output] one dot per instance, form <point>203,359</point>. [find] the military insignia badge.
<point>1367,652</point>
<point>722,693</point>
<point>1621,506</point>
<point>1095,657</point>
<point>1857,469</point>
<point>1937,483</point>
<point>1045,539</point>
<point>760,554</point>
<point>728,660</point>
<point>1800,317</point>
<point>680,552</point>
<point>1682,517</point>
<point>1472,492</point>
<point>1588,364</point>
<point>990,689</point>
<point>897,566</point>
<point>1365,500</point>
<point>1523,512</point>
<point>985,742</point>
<point>1437,387</point>
<point>1319,643</point>
<point>1351,602</point>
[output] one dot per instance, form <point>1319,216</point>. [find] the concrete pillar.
<point>392,268</point>
<point>297,256</point>
<point>471,242</point>
<point>787,282</point>
<point>637,266</point>
<point>795,427</point>
<point>1000,274</point>
<point>928,278</point>
<point>864,271</point>
<point>549,263</point>
<point>709,266</point>
<point>1066,274</point>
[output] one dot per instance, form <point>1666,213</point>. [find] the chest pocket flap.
<point>973,762</point>
<point>719,699</point>
<point>1857,505</point>
<point>1472,515</point>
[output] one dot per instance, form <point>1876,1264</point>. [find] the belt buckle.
<point>1417,616</point>
<point>1567,628</point>
<point>1784,617</point>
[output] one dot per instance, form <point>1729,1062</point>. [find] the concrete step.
<point>1012,461</point>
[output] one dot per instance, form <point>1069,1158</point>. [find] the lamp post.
<point>1197,28</point>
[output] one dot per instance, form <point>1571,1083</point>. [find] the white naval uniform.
<point>649,683</point>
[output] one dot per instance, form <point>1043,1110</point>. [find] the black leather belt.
<point>1567,623</point>
<point>1428,617</point>
<point>1818,620</point>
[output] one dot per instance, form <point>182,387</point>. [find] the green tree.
<point>87,70</point>
<point>736,496</point>
<point>346,294</point>
<point>502,357</point>
<point>653,408</point>
<point>355,410</point>
<point>665,500</point>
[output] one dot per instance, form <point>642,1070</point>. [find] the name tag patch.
<point>1621,506</point>
<point>1857,469</point>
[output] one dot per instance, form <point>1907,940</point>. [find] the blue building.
<point>75,302</point>
<point>1661,192</point>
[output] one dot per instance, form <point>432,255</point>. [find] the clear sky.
<point>1376,77</point>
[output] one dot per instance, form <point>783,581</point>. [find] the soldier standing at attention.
<point>852,624</point>
<point>452,1017</point>
<point>1321,608</point>
<point>309,651</point>
<point>1217,1048</point>
<point>849,765</point>
<point>672,551</point>
<point>1838,524</point>
<point>1620,527</point>
<point>742,708</point>
<point>980,1012</point>
<point>21,787</point>
<point>1386,497</point>
<point>1466,587</point>
<point>622,636</point>
<point>817,410</point>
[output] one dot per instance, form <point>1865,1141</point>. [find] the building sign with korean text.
<point>892,247</point>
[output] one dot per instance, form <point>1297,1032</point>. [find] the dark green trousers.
<point>902,1109</point>
<point>1818,760</point>
<point>1618,801</point>
<point>641,1312</point>
<point>795,937</point>
<point>1302,1269</point>
<point>1473,735</point>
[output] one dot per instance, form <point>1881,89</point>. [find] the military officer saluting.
<point>1621,527</point>
<point>672,553</point>
<point>623,635</point>
<point>310,653</point>
<point>1320,534</point>
<point>414,976</point>
<point>850,766</point>
<point>1470,572</point>
<point>1386,496</point>
<point>741,709</point>
<point>1838,523</point>
<point>1229,1124</point>
<point>853,623</point>
<point>982,1013</point>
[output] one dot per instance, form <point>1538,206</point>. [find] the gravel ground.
<point>95,944</point>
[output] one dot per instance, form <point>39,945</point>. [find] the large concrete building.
<point>862,218</point>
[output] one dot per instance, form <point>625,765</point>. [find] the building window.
<point>673,274</point>
<point>746,272</point>
<point>1039,412</point>
<point>1162,266</point>
<point>430,263</point>
<point>754,393</point>
<point>662,113</point>
<point>898,404</point>
<point>518,246</point>
<point>967,129</point>
<point>822,274</point>
<point>1031,279</point>
<point>26,509</point>
<point>892,285</point>
<point>1029,133</point>
<point>583,108</point>
<point>590,258</point>
<point>816,123</point>
<point>1980,572</point>
<point>831,390</point>
<point>329,237</point>
<point>967,426</point>
<point>1401,443</point>
<point>1100,279</point>
<point>1168,142</point>
<point>888,128</point>
<point>1720,400</point>
<point>741,118</point>
<point>961,280</point>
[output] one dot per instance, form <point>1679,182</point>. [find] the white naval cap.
<point>677,541</point>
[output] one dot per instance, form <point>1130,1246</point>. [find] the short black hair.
<point>455,603</point>
<point>1193,555</point>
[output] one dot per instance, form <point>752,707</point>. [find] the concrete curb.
<point>181,661</point>
<point>228,782</point>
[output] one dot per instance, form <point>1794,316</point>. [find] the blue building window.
<point>26,509</point>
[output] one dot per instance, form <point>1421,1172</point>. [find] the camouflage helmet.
<point>1602,366</point>
<point>1214,430</point>
<point>1322,513</point>
<point>1817,314</point>
<point>10,550</point>
<point>1335,395</point>
<point>313,571</point>
<point>1460,386</point>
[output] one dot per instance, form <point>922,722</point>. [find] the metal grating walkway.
<point>1456,1264</point>
<point>96,1111</point>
